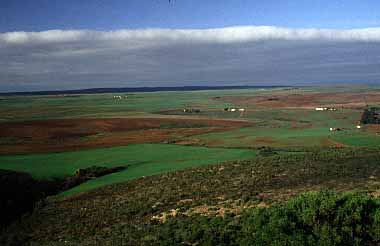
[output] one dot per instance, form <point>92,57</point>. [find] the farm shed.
<point>234,109</point>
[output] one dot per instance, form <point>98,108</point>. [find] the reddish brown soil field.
<point>309,100</point>
<point>76,134</point>
<point>373,128</point>
<point>332,143</point>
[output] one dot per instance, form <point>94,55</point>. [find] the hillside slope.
<point>137,212</point>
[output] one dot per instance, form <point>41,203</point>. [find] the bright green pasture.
<point>293,128</point>
<point>289,117</point>
<point>357,138</point>
<point>286,137</point>
<point>142,160</point>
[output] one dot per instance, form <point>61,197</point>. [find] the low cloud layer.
<point>71,59</point>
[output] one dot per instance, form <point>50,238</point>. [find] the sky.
<point>71,44</point>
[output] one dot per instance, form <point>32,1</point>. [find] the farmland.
<point>141,160</point>
<point>52,136</point>
<point>211,158</point>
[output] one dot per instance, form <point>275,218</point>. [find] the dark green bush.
<point>315,218</point>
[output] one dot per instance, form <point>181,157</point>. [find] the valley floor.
<point>185,153</point>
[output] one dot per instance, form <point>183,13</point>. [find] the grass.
<point>122,214</point>
<point>295,128</point>
<point>280,128</point>
<point>357,139</point>
<point>268,136</point>
<point>104,105</point>
<point>143,160</point>
<point>124,210</point>
<point>18,108</point>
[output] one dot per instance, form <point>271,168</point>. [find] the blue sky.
<point>39,15</point>
<point>71,44</point>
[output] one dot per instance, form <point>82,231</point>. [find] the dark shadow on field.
<point>19,192</point>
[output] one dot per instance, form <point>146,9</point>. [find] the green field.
<point>281,128</point>
<point>191,177</point>
<point>285,137</point>
<point>104,105</point>
<point>142,160</point>
<point>295,128</point>
<point>19,108</point>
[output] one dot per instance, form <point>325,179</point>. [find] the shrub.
<point>315,218</point>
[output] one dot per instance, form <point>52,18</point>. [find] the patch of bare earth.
<point>331,143</point>
<point>306,100</point>
<point>76,134</point>
<point>264,141</point>
<point>220,210</point>
<point>373,128</point>
<point>301,126</point>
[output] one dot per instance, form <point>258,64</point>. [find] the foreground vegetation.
<point>314,218</point>
<point>232,203</point>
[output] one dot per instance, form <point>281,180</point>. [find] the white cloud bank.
<point>59,59</point>
<point>217,35</point>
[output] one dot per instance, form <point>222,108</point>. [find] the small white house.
<point>358,127</point>
<point>241,109</point>
<point>325,109</point>
<point>320,109</point>
<point>233,109</point>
